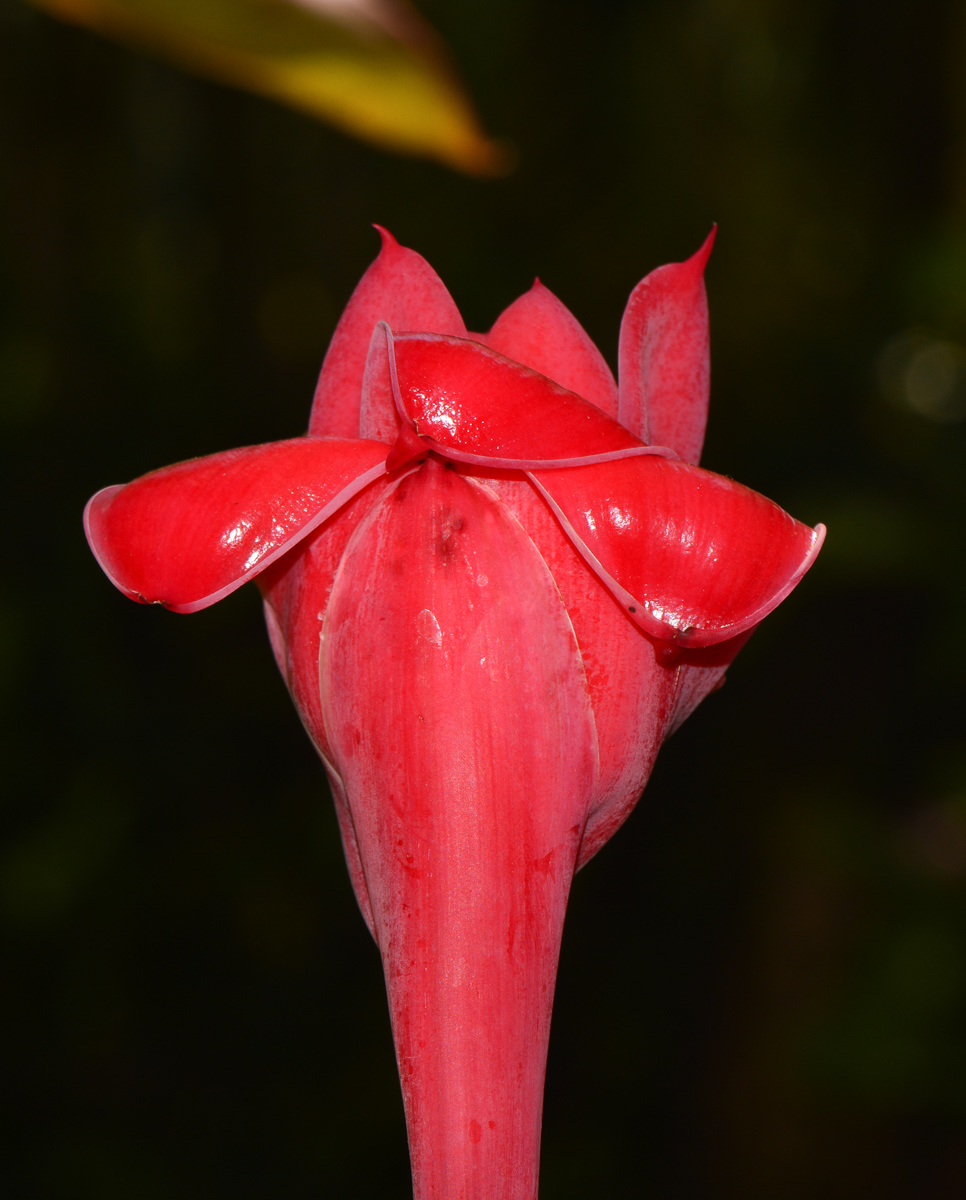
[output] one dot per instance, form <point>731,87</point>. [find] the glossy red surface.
<point>702,561</point>
<point>189,534</point>
<point>467,400</point>
<point>400,288</point>
<point>487,662</point>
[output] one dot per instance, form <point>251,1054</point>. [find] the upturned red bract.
<point>494,582</point>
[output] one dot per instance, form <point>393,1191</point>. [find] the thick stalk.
<point>470,969</point>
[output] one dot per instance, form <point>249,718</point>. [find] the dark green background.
<point>763,987</point>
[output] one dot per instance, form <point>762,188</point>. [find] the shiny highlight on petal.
<point>702,561</point>
<point>188,535</point>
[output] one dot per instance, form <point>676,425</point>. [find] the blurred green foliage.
<point>763,985</point>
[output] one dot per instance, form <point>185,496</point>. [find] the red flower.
<point>493,593</point>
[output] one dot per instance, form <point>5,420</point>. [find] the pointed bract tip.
<point>701,256</point>
<point>388,241</point>
<point>537,288</point>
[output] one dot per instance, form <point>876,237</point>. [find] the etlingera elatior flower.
<point>494,582</point>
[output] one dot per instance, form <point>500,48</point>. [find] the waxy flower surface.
<point>494,582</point>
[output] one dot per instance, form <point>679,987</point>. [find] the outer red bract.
<point>492,597</point>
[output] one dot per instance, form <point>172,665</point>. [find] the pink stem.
<point>470,970</point>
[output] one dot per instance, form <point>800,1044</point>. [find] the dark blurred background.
<point>763,986</point>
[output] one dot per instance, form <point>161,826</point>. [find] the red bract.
<point>494,583</point>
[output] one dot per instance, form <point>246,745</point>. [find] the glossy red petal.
<point>471,404</point>
<point>632,691</point>
<point>664,357</point>
<point>400,288</point>
<point>456,707</point>
<point>693,557</point>
<point>539,331</point>
<point>187,535</point>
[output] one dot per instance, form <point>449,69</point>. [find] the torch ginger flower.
<point>494,582</point>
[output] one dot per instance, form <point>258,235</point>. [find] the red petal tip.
<point>701,256</point>
<point>388,241</point>
<point>97,501</point>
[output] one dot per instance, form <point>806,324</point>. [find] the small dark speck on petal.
<point>631,608</point>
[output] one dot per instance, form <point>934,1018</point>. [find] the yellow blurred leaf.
<point>371,67</point>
